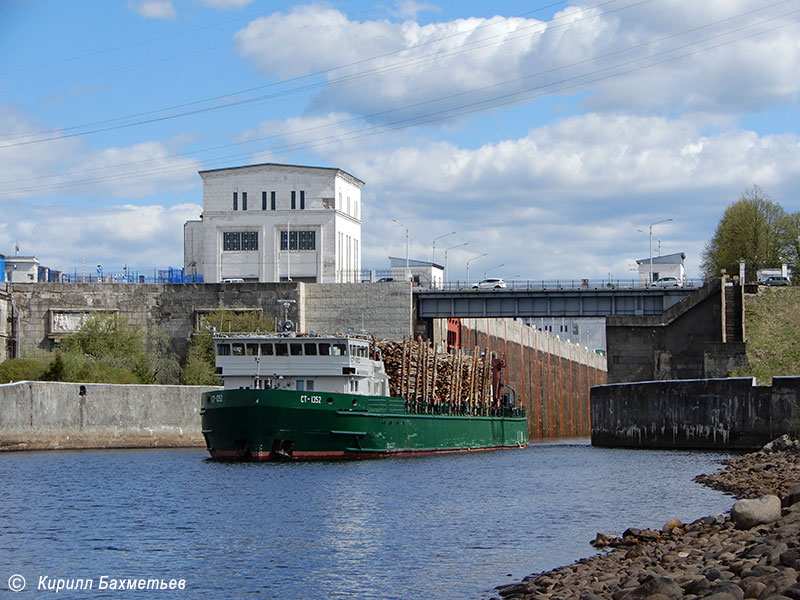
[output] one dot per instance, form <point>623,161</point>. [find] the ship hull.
<point>247,424</point>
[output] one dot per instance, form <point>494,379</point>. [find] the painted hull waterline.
<point>251,424</point>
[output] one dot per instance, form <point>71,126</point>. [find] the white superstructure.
<point>343,364</point>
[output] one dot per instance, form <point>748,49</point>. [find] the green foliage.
<point>754,229</point>
<point>199,368</point>
<point>772,325</point>
<point>23,369</point>
<point>108,349</point>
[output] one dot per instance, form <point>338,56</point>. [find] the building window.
<point>239,240</point>
<point>244,200</point>
<point>302,199</point>
<point>299,240</point>
<point>294,202</point>
<point>263,200</point>
<point>272,200</point>
<point>235,200</point>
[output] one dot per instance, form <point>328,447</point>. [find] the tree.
<point>200,362</point>
<point>109,349</point>
<point>750,229</point>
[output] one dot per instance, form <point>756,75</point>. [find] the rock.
<point>656,585</point>
<point>793,497</point>
<point>749,512</point>
<point>671,525</point>
<point>726,591</point>
<point>793,592</point>
<point>782,443</point>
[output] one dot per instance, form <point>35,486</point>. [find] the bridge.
<point>573,298</point>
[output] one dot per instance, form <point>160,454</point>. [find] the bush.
<point>23,369</point>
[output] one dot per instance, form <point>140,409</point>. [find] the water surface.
<point>440,527</point>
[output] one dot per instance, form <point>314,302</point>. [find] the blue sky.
<point>545,134</point>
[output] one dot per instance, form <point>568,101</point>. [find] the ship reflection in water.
<point>440,526</point>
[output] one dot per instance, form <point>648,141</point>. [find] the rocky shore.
<point>752,552</point>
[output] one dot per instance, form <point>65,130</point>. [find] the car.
<point>666,282</point>
<point>492,283</point>
<point>777,281</point>
<point>385,279</point>
<point>233,280</point>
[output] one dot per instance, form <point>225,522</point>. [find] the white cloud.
<point>153,9</point>
<point>140,236</point>
<point>409,9</point>
<point>59,166</point>
<point>227,4</point>
<point>566,199</point>
<point>623,59</point>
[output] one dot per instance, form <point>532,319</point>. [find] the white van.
<point>232,280</point>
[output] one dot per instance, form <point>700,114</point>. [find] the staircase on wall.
<point>734,313</point>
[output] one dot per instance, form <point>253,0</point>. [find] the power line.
<point>467,108</point>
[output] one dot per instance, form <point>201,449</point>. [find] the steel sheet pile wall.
<point>551,377</point>
<point>697,414</point>
<point>37,415</point>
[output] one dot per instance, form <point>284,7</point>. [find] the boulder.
<point>749,512</point>
<point>793,497</point>
<point>782,443</point>
<point>655,585</point>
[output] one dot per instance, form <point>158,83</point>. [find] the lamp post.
<point>445,257</point>
<point>433,245</point>
<point>492,269</point>
<point>470,260</point>
<point>651,245</point>
<point>406,228</point>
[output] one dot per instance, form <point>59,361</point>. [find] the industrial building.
<point>272,222</point>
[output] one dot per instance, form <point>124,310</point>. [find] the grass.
<point>772,329</point>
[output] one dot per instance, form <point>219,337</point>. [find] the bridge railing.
<point>527,285</point>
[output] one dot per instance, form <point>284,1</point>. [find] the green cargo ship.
<point>287,397</point>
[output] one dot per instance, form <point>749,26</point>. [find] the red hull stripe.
<point>345,455</point>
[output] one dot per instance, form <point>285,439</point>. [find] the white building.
<point>420,272</point>
<point>21,269</point>
<point>272,222</point>
<point>669,265</point>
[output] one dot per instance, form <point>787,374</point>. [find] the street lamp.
<point>651,245</point>
<point>492,269</point>
<point>433,253</point>
<point>470,260</point>
<point>406,228</point>
<point>445,257</point>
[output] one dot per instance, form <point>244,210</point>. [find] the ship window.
<point>339,350</point>
<point>266,349</point>
<point>324,349</point>
<point>297,349</point>
<point>252,349</point>
<point>310,385</point>
<point>224,349</point>
<point>238,349</point>
<point>301,385</point>
<point>311,349</point>
<point>281,350</point>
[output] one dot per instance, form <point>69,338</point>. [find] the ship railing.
<point>431,407</point>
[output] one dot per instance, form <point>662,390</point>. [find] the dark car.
<point>777,281</point>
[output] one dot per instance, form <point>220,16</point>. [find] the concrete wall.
<point>174,308</point>
<point>678,344</point>
<point>45,415</point>
<point>551,377</point>
<point>381,309</point>
<point>698,414</point>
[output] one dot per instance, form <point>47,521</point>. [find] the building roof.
<point>676,258</point>
<point>334,169</point>
<point>401,262</point>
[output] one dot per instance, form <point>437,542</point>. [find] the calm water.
<point>438,527</point>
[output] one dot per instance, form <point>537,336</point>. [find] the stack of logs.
<point>437,382</point>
